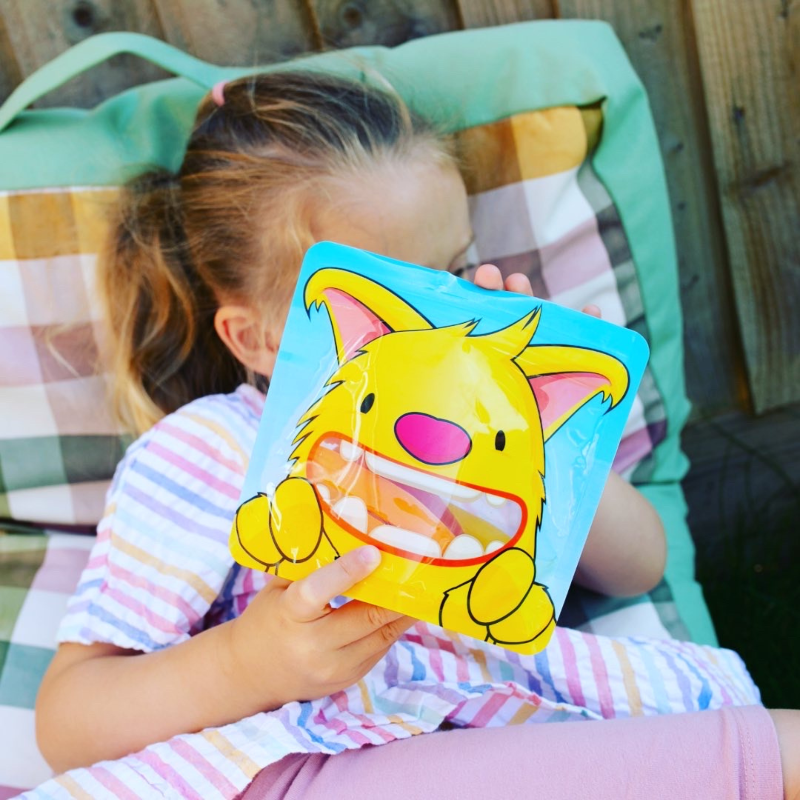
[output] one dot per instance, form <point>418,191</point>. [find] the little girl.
<point>187,675</point>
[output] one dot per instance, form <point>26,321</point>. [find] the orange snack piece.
<point>387,503</point>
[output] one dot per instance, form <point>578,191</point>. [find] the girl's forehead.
<point>412,211</point>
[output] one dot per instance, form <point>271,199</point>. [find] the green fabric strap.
<point>94,51</point>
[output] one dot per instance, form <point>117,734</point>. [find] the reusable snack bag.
<point>467,434</point>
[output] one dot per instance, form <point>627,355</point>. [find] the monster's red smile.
<point>410,512</point>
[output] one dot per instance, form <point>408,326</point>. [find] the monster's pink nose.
<point>432,440</point>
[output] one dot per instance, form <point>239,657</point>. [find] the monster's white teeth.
<point>464,546</point>
<point>350,451</point>
<point>352,510</point>
<point>495,499</point>
<point>419,480</point>
<point>324,492</point>
<point>407,540</point>
<point>492,546</point>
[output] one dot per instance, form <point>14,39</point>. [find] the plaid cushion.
<point>58,442</point>
<point>38,573</point>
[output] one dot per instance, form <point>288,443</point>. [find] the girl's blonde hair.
<point>233,225</point>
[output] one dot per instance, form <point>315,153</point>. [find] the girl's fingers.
<point>519,283</point>
<point>307,599</point>
<point>355,620</point>
<point>592,310</point>
<point>488,276</point>
<point>375,644</point>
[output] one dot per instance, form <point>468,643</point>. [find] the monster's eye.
<point>500,441</point>
<point>367,402</point>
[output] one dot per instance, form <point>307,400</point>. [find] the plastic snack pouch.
<point>466,433</point>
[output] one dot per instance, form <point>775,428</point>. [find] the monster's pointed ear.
<point>513,339</point>
<point>360,309</point>
<point>565,378</point>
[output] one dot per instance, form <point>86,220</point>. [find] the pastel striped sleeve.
<point>161,556</point>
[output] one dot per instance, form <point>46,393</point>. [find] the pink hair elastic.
<point>217,93</point>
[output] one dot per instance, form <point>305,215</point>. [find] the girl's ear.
<point>251,341</point>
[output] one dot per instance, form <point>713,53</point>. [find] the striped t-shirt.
<point>161,571</point>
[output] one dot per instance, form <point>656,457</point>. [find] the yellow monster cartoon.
<point>427,442</point>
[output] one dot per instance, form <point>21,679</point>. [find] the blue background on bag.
<point>577,457</point>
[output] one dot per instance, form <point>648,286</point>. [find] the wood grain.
<point>239,33</point>
<point>38,30</point>
<point>345,23</point>
<point>744,481</point>
<point>749,54</point>
<point>10,75</point>
<point>659,42</point>
<point>482,13</point>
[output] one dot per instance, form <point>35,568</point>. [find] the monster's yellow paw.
<point>295,520</point>
<point>535,618</point>
<point>501,585</point>
<point>502,603</point>
<point>251,542</point>
<point>454,613</point>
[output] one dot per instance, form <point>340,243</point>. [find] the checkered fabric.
<point>38,573</point>
<point>58,442</point>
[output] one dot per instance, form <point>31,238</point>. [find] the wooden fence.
<point>723,78</point>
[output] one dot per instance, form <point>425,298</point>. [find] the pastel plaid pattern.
<point>38,573</point>
<point>58,442</point>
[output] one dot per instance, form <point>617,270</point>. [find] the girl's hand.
<point>289,644</point>
<point>488,276</point>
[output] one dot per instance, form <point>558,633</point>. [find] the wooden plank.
<point>238,33</point>
<point>10,75</point>
<point>346,23</point>
<point>658,41</point>
<point>749,52</point>
<point>38,30</point>
<point>483,13</point>
<point>743,487</point>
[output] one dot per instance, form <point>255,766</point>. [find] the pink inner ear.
<point>560,396</point>
<point>357,324</point>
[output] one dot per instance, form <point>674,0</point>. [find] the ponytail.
<point>165,349</point>
<point>233,225</point>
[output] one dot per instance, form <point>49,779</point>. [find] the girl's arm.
<point>626,549</point>
<point>101,702</point>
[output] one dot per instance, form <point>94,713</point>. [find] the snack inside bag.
<point>466,433</point>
